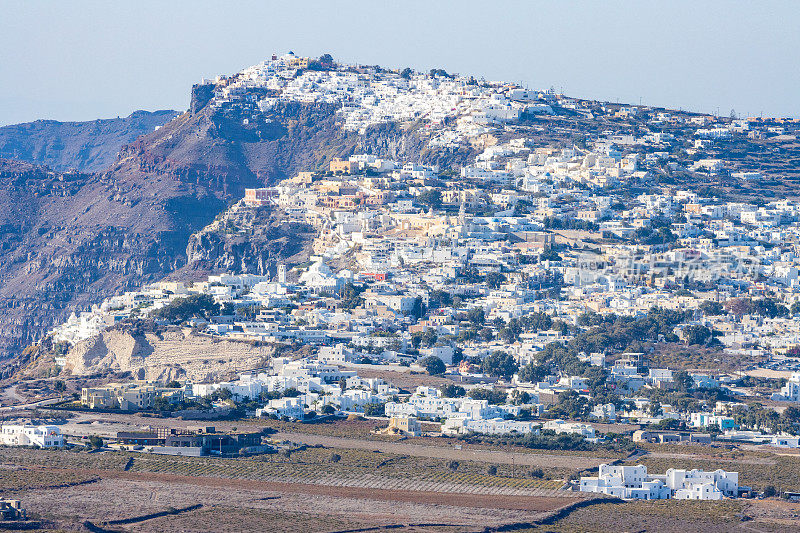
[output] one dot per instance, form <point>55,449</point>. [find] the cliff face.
<point>250,241</point>
<point>68,240</point>
<point>84,146</point>
<point>173,354</point>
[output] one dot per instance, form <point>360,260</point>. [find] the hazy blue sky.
<point>79,60</point>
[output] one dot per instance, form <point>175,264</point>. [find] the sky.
<point>82,60</point>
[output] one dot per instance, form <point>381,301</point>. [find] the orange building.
<point>259,197</point>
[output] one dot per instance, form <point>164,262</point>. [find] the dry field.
<point>233,505</point>
<point>306,491</point>
<point>672,515</point>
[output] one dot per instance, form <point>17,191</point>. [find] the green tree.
<point>476,315</point>
<point>418,311</point>
<point>499,364</point>
<point>439,298</point>
<point>194,306</point>
<point>248,312</point>
<point>350,296</point>
<point>654,408</point>
<point>491,395</point>
<point>533,373</point>
<point>433,365</point>
<point>712,308</point>
<point>495,280</point>
<point>375,409</point>
<point>695,334</point>
<point>550,255</point>
<point>683,381</point>
<point>453,391</point>
<point>431,198</point>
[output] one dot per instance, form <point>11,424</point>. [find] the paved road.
<point>42,403</point>
<point>441,452</point>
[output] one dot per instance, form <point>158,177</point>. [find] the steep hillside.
<point>84,146</point>
<point>69,240</point>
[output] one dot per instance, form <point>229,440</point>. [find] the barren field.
<point>522,458</point>
<point>130,492</point>
<point>671,515</point>
<point>229,505</point>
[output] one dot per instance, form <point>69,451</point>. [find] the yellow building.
<point>299,62</point>
<point>127,396</point>
<point>403,425</point>
<point>345,167</point>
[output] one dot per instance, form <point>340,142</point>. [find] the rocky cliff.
<point>247,240</point>
<point>84,146</point>
<point>174,354</point>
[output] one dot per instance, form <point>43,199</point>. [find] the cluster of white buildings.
<point>314,385</point>
<point>551,226</point>
<point>634,483</point>
<point>369,96</point>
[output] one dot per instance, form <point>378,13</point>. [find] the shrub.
<point>491,470</point>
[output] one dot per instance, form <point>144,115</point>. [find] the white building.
<point>700,485</point>
<point>30,435</point>
<point>634,483</point>
<point>576,428</point>
<point>791,391</point>
<point>491,426</point>
<point>626,482</point>
<point>288,407</point>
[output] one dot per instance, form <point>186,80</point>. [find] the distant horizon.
<point>707,58</point>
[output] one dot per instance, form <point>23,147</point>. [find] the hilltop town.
<point>618,282</point>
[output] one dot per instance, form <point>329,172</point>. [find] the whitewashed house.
<point>29,435</point>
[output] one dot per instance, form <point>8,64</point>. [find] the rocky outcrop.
<point>174,354</point>
<point>201,95</point>
<point>248,240</point>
